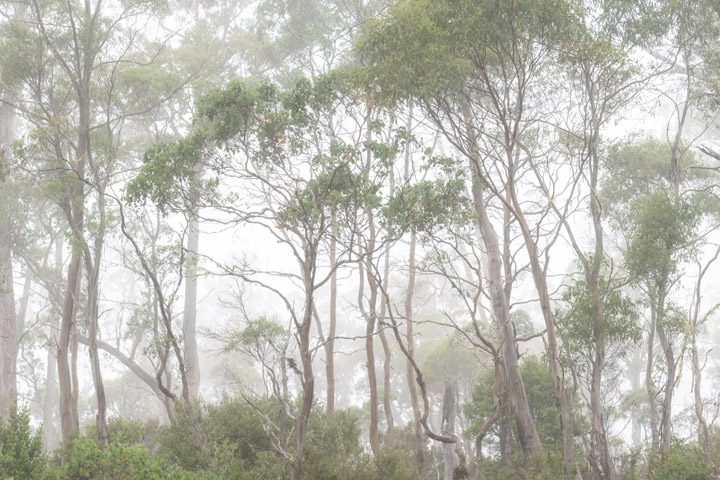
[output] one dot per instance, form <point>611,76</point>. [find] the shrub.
<point>21,449</point>
<point>87,461</point>
<point>683,462</point>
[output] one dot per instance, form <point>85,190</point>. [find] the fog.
<point>364,239</point>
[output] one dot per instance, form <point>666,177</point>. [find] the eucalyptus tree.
<point>295,176</point>
<point>8,321</point>
<point>480,95</point>
<point>287,38</point>
<point>213,46</point>
<point>662,236</point>
<point>68,76</point>
<point>640,198</point>
<point>603,79</point>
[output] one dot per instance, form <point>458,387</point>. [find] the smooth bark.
<point>192,361</point>
<point>8,319</point>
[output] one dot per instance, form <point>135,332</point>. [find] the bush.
<point>229,440</point>
<point>87,461</point>
<point>21,449</point>
<point>683,462</point>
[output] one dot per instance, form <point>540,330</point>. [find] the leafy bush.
<point>21,449</point>
<point>87,461</point>
<point>683,462</point>
<point>228,440</point>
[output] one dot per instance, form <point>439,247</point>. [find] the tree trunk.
<point>93,292</point>
<point>665,427</point>
<point>192,362</point>
<point>540,280</point>
<point>371,318</point>
<point>703,433</point>
<point>650,384</point>
<point>8,325</point>
<point>450,460</point>
<point>387,355</point>
<point>49,430</point>
<point>634,373</point>
<point>505,438</point>
<point>669,390</point>
<point>69,423</point>
<point>409,294</point>
<point>412,387</point>
<point>527,434</point>
<point>597,428</point>
<point>330,343</point>
<point>308,378</point>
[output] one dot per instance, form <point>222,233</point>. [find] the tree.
<point>67,95</point>
<point>294,174</point>
<point>8,321</point>
<point>477,94</point>
<point>662,236</point>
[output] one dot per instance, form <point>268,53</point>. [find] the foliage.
<point>428,206</point>
<point>662,235</point>
<point>639,167</point>
<point>546,465</point>
<point>21,449</point>
<point>427,48</point>
<point>579,328</point>
<point>229,441</point>
<point>683,462</point>
<point>87,461</point>
<point>168,169</point>
<point>540,390</point>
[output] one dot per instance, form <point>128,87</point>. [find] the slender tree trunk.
<point>527,433</point>
<point>387,388</point>
<point>67,339</point>
<point>634,373</point>
<point>192,361</point>
<point>664,429</point>
<point>387,354</point>
<point>409,334</point>
<point>412,386</point>
<point>330,342</point>
<point>8,322</point>
<point>8,325</point>
<point>450,460</point>
<point>69,423</point>
<point>650,384</point>
<point>592,277</point>
<point>49,430</point>
<point>703,433</point>
<point>669,390</point>
<point>308,378</point>
<point>597,429</point>
<point>540,280</point>
<point>371,312</point>
<point>371,319</point>
<point>93,320</point>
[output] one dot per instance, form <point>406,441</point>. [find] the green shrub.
<point>228,440</point>
<point>683,462</point>
<point>87,461</point>
<point>21,449</point>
